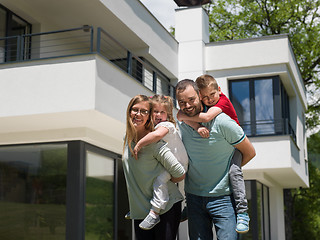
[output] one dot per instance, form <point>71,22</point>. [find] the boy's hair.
<point>167,102</point>
<point>205,81</point>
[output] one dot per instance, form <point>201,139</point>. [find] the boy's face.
<point>210,95</point>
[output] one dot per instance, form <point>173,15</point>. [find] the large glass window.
<point>62,191</point>
<point>33,192</point>
<point>12,26</point>
<point>258,202</point>
<point>3,17</point>
<point>262,106</point>
<point>99,216</point>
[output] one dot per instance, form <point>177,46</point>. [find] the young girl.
<point>140,175</point>
<point>164,129</point>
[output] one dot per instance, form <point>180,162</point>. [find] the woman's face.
<point>139,114</point>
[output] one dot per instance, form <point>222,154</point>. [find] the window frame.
<point>76,185</point>
<point>281,115</point>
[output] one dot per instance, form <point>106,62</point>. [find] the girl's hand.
<point>204,132</point>
<point>135,151</point>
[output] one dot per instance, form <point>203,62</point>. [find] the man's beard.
<point>195,110</point>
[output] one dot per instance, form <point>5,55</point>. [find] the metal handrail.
<point>268,127</point>
<point>126,60</point>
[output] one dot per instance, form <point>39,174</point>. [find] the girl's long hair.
<point>131,132</point>
<point>167,102</point>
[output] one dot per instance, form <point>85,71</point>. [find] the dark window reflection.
<point>33,192</point>
<point>241,101</point>
<point>99,197</point>
<point>263,92</point>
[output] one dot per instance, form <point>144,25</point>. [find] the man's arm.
<point>201,117</point>
<point>247,150</point>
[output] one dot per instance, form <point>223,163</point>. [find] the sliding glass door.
<point>12,46</point>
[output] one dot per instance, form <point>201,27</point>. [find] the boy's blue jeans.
<point>203,212</point>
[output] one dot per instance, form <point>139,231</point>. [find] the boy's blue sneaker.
<point>242,223</point>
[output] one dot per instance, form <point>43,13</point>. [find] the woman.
<point>140,174</point>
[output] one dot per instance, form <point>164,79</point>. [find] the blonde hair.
<point>205,81</point>
<point>167,102</point>
<point>131,132</point>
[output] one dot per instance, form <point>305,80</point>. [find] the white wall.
<point>192,33</point>
<point>79,98</point>
<point>47,87</point>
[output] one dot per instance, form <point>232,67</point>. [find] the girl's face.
<point>159,113</point>
<point>139,114</point>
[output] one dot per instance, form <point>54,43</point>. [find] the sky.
<point>163,10</point>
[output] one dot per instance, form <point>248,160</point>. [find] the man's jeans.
<point>203,212</point>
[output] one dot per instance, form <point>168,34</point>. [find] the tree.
<point>300,19</point>
<point>303,205</point>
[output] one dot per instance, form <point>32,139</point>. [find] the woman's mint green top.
<point>140,175</point>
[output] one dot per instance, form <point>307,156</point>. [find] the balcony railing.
<point>268,127</point>
<point>80,41</point>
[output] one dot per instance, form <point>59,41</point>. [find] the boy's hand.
<point>204,132</point>
<point>180,116</point>
<point>136,150</point>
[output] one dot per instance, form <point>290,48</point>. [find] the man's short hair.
<point>183,84</point>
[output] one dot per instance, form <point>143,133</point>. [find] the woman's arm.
<point>151,137</point>
<point>179,179</point>
<point>201,117</point>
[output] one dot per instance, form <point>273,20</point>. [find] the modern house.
<point>67,72</point>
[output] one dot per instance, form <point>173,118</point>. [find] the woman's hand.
<point>179,179</point>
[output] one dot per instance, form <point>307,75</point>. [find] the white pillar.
<point>192,33</point>
<point>277,223</point>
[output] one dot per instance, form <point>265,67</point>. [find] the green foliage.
<point>314,149</point>
<point>99,209</point>
<point>306,218</point>
<point>303,204</point>
<point>300,19</point>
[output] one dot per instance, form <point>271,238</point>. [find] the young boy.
<point>216,102</point>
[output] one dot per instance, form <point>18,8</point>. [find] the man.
<point>207,185</point>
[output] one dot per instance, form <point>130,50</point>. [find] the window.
<point>99,218</point>
<point>12,47</point>
<point>33,192</point>
<point>62,191</point>
<point>262,106</point>
<point>258,202</point>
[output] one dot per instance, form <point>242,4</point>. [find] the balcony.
<point>83,41</point>
<point>269,128</point>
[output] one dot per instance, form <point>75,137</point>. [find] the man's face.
<point>189,101</point>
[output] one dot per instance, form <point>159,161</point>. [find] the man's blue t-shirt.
<point>209,158</point>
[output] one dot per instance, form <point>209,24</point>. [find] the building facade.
<point>67,72</point>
